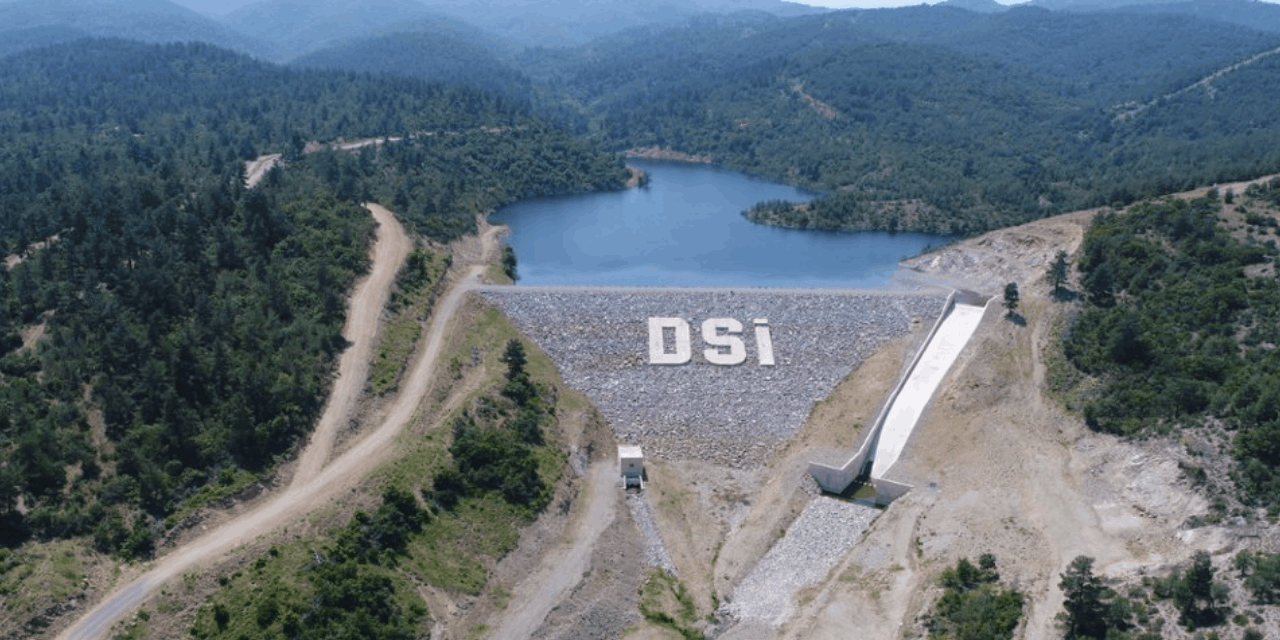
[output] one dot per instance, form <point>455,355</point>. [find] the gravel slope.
<point>735,416</point>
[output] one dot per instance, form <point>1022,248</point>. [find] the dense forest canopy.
<point>190,325</point>
<point>1181,323</point>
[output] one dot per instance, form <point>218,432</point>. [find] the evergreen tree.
<point>515,358</point>
<point>1058,272</point>
<point>1082,591</point>
<point>1011,299</point>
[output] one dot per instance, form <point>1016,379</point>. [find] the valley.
<point>271,366</point>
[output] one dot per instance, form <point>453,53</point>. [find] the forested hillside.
<point>1180,325</point>
<point>167,334</point>
<point>937,118</point>
<point>431,54</point>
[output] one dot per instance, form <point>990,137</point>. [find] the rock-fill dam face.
<point>723,376</point>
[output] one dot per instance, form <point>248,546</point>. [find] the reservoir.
<point>686,229</point>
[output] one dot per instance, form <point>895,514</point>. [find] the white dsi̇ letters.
<point>658,341</point>
<point>670,341</point>
<point>711,335</point>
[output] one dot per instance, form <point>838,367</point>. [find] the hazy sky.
<point>223,7</point>
<point>871,4</point>
<point>214,7</point>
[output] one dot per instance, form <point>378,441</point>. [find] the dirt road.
<point>256,169</point>
<point>301,497</point>
<point>563,567</point>
<point>364,308</point>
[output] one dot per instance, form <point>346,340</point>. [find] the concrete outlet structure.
<point>631,465</point>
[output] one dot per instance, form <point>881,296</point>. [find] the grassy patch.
<point>268,598</point>
<point>231,481</point>
<point>393,352</point>
<point>135,629</point>
<point>664,601</point>
<point>38,573</point>
<point>417,286</point>
<point>501,597</point>
<point>449,552</point>
<point>1064,383</point>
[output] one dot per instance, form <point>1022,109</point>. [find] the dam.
<point>753,362</point>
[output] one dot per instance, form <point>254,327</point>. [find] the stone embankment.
<point>815,542</point>
<point>730,415</point>
<point>655,552</point>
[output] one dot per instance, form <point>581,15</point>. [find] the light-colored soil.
<point>821,108</point>
<point>666,153</point>
<point>563,566</point>
<point>255,170</point>
<point>12,260</point>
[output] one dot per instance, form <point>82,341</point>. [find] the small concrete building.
<point>631,464</point>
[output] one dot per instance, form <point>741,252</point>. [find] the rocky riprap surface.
<point>814,543</point>
<point>730,415</point>
<point>655,552</point>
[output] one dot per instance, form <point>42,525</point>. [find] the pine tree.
<point>1011,299</point>
<point>1082,593</point>
<point>1058,272</point>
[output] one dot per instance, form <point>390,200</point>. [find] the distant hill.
<point>298,27</point>
<point>573,22</point>
<point>981,6</point>
<point>15,40</point>
<point>1263,16</point>
<point>1255,14</point>
<point>936,117</point>
<point>32,23</point>
<point>427,53</point>
<point>1108,57</point>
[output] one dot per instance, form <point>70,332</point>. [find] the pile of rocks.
<point>823,533</point>
<point>731,415</point>
<point>655,553</point>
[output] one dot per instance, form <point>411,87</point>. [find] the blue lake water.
<point>686,229</point>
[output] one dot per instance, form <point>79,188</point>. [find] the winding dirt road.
<point>324,482</point>
<point>390,251</point>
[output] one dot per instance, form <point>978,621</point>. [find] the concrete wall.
<point>837,479</point>
<point>887,491</point>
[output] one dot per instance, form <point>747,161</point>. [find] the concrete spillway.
<point>892,429</point>
<point>939,355</point>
